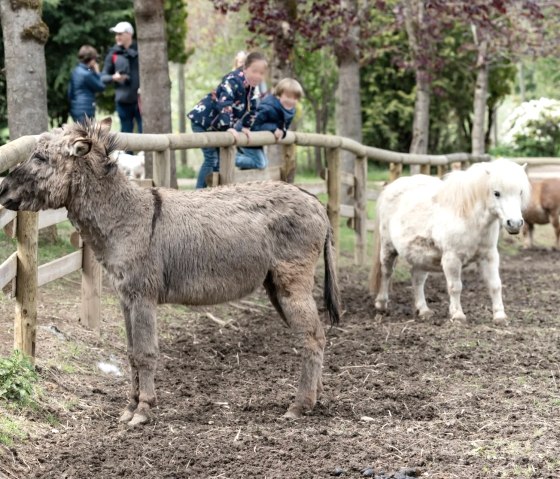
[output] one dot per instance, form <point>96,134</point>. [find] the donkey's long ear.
<point>81,147</point>
<point>524,166</point>
<point>106,123</point>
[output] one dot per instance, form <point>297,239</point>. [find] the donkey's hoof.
<point>293,413</point>
<point>126,416</point>
<point>138,419</point>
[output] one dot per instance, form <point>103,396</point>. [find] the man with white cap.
<point>121,69</point>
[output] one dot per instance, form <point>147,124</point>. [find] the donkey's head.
<point>61,157</point>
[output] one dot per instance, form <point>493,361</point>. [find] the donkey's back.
<point>220,244</point>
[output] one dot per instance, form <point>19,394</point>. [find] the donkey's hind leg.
<point>133,395</point>
<point>294,287</point>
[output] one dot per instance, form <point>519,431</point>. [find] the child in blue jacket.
<point>274,113</point>
<point>231,107</point>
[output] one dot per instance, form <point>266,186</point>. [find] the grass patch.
<point>10,430</point>
<point>17,378</point>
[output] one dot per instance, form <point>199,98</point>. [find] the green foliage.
<point>17,376</point>
<point>185,171</point>
<point>10,430</point>
<point>176,29</point>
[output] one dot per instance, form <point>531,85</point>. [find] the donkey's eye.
<point>497,194</point>
<point>40,158</point>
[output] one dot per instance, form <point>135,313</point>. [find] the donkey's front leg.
<point>490,271</point>
<point>452,269</point>
<point>133,395</point>
<point>144,357</point>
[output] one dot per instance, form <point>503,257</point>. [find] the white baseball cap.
<point>122,27</point>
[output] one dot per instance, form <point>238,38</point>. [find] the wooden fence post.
<point>289,163</point>
<point>90,315</point>
<point>162,168</point>
<point>360,209</point>
<point>227,165</point>
<point>333,191</point>
<point>25,327</point>
<point>395,170</point>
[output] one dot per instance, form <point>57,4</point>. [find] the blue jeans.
<point>211,160</point>
<point>250,158</point>
<point>128,112</point>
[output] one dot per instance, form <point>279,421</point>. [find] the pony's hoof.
<point>381,305</point>
<point>459,317</point>
<point>126,416</point>
<point>500,319</point>
<point>138,419</point>
<point>426,314</point>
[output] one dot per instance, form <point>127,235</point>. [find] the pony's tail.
<point>375,275</point>
<point>331,294</point>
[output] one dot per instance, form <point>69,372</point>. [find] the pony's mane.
<point>462,190</point>
<point>93,129</point>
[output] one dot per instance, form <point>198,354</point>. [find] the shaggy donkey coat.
<point>164,246</point>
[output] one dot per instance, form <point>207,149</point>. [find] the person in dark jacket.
<point>230,107</point>
<point>121,68</point>
<point>85,82</point>
<point>274,113</point>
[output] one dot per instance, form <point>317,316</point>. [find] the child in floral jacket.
<point>231,107</point>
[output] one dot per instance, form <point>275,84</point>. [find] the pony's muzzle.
<point>514,226</point>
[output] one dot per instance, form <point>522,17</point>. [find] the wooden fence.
<point>21,275</point>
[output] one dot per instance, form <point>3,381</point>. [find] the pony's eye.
<point>497,194</point>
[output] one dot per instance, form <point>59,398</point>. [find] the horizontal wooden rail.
<point>60,267</point>
<point>8,270</point>
<point>52,217</point>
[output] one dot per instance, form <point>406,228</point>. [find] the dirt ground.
<point>403,397</point>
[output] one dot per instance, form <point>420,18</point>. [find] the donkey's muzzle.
<point>5,199</point>
<point>514,226</point>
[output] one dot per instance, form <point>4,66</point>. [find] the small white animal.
<point>131,165</point>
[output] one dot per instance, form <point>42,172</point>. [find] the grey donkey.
<point>196,248</point>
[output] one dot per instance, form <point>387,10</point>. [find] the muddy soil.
<point>403,397</point>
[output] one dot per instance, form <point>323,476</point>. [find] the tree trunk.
<point>348,112</point>
<point>155,83</point>
<point>414,17</point>
<point>24,37</point>
<point>480,95</point>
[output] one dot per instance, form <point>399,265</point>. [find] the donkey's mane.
<point>462,190</point>
<point>93,129</point>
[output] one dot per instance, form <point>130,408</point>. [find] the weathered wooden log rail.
<point>20,274</point>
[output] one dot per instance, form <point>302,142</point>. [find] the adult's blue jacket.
<point>84,84</point>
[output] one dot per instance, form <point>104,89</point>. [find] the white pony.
<point>436,224</point>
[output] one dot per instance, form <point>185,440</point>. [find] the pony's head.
<point>509,192</point>
<point>60,157</point>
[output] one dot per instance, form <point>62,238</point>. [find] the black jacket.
<point>124,61</point>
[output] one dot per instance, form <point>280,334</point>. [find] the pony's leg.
<point>452,269</point>
<point>144,357</point>
<point>418,280</point>
<point>555,220</point>
<point>294,293</point>
<point>133,395</point>
<point>528,229</point>
<point>490,271</point>
<point>388,257</point>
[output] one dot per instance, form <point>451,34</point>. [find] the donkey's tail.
<point>331,293</point>
<point>375,275</point>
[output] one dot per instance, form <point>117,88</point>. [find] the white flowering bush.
<point>533,128</point>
